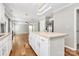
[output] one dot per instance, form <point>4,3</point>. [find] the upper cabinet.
<point>2,13</point>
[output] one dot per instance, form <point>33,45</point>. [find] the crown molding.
<point>66,6</point>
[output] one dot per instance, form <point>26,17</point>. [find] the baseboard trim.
<point>70,48</point>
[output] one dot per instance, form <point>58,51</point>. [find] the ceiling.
<point>28,11</point>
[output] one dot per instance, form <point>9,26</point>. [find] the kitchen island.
<point>5,44</point>
<point>47,43</point>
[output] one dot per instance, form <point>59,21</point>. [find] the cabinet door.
<point>4,50</point>
<point>6,45</point>
<point>0,51</point>
<point>30,37</point>
<point>9,44</point>
<point>37,45</point>
<point>0,48</point>
<point>32,41</point>
<point>44,47</point>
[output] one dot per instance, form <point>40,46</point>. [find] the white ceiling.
<point>22,10</point>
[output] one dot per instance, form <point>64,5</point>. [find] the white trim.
<point>70,48</point>
<point>75,29</point>
<point>59,9</point>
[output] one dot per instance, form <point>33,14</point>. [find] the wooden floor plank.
<point>21,46</point>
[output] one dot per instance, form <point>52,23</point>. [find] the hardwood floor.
<point>69,52</point>
<point>22,48</point>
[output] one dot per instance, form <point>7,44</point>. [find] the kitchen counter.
<point>5,44</point>
<point>47,43</point>
<point>3,35</point>
<point>51,34</point>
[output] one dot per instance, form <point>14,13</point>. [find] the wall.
<point>64,22</point>
<point>3,18</point>
<point>1,13</point>
<point>21,28</point>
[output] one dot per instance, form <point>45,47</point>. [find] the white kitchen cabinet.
<point>44,46</point>
<point>4,50</point>
<point>37,45</point>
<point>32,41</point>
<point>0,51</point>
<point>5,44</point>
<point>47,44</point>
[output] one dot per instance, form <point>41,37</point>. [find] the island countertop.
<point>51,34</point>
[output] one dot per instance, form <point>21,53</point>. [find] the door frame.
<point>75,28</point>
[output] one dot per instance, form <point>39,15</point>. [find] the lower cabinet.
<point>44,47</point>
<point>6,45</point>
<point>39,44</point>
<point>4,50</point>
<point>32,41</point>
<point>47,46</point>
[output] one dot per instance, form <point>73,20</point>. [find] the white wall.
<point>1,13</point>
<point>3,19</point>
<point>64,22</point>
<point>21,28</point>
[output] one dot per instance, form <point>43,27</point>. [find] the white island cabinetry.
<point>47,44</point>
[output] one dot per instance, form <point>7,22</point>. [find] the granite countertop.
<point>51,34</point>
